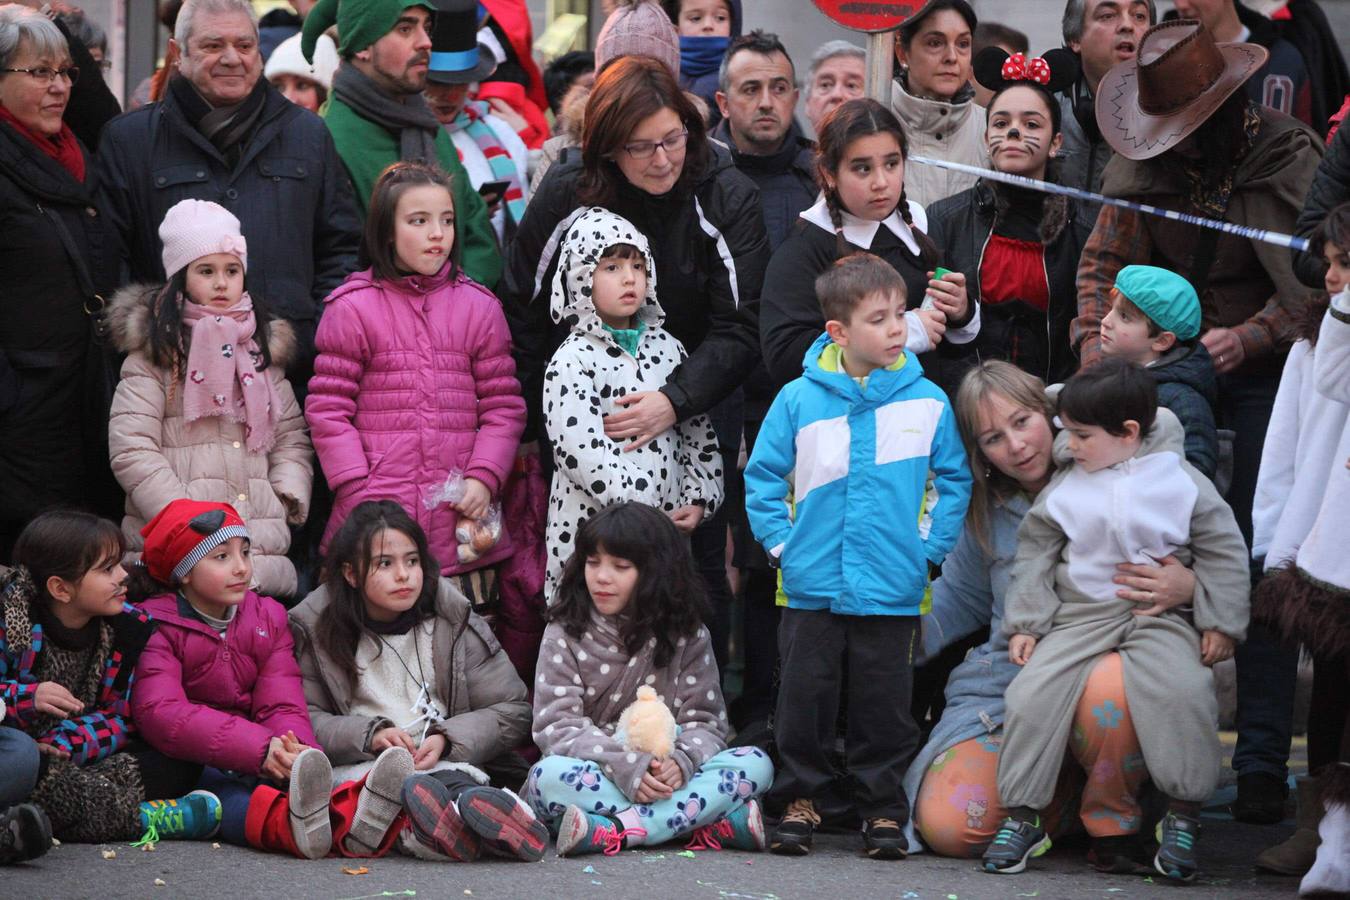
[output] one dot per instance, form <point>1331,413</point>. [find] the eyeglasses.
<point>46,74</point>
<point>644,149</point>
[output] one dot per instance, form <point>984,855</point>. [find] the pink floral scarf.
<point>223,377</point>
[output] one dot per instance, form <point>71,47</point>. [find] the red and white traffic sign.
<point>868,15</point>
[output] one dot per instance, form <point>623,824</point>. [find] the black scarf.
<point>224,126</point>
<point>408,116</point>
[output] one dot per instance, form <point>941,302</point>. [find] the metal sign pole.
<point>880,64</point>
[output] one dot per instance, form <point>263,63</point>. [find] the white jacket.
<point>586,375</point>
<point>948,131</point>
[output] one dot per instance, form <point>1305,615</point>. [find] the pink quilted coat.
<point>414,378</point>
<point>219,699</point>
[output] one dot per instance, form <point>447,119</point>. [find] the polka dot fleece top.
<point>584,684</point>
<point>585,377</point>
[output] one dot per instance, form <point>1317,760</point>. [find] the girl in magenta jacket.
<point>218,685</point>
<point>414,377</point>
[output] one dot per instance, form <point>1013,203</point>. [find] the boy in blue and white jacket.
<point>857,487</point>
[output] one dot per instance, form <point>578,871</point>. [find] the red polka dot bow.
<point>1019,68</point>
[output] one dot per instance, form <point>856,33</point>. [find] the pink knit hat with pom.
<point>195,228</point>
<point>638,28</point>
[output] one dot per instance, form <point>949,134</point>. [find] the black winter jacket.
<point>289,190</point>
<point>55,382</point>
<point>709,271</point>
<point>1330,188</point>
<point>961,225</point>
<point>1188,387</point>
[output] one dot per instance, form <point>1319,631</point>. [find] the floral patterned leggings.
<point>728,780</point>
<point>958,809</point>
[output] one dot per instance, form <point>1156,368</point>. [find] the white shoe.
<point>311,790</point>
<point>1330,874</point>
<point>380,802</point>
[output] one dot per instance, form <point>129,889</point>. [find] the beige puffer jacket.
<point>158,457</point>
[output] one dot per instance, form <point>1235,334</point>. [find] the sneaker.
<point>883,839</point>
<point>380,802</point>
<point>740,829</point>
<point>1177,836</point>
<point>194,817</point>
<point>792,837</point>
<point>581,832</point>
<point>311,789</point>
<point>25,833</point>
<point>1014,844</point>
<point>435,820</point>
<point>1260,799</point>
<point>506,825</point>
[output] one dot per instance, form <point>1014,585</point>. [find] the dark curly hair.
<point>669,601</point>
<point>339,628</point>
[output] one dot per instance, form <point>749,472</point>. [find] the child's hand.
<point>277,764</point>
<point>667,772</point>
<point>686,518</point>
<point>431,751</point>
<point>652,789</point>
<point>52,699</point>
<point>393,736</point>
<point>1020,648</point>
<point>1215,647</point>
<point>474,503</point>
<point>53,751</point>
<point>934,323</point>
<point>949,295</point>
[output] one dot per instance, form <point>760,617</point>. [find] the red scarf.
<point>62,147</point>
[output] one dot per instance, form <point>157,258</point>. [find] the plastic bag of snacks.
<point>475,536</point>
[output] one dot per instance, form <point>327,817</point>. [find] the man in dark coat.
<point>222,133</point>
<point>757,94</point>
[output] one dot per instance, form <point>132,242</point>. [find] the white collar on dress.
<point>860,232</point>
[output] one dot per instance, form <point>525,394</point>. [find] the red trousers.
<point>268,825</point>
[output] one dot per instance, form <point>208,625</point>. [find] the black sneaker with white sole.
<point>1015,843</point>
<point>1177,837</point>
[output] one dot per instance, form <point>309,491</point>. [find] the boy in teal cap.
<point>1155,321</point>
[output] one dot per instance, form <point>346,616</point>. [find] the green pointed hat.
<point>360,23</point>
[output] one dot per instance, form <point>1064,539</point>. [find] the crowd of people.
<point>368,375</point>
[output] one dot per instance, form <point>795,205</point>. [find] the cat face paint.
<point>1018,136</point>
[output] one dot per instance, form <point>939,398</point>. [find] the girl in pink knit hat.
<point>203,410</point>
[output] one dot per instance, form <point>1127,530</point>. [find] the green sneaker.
<point>1177,836</point>
<point>1014,844</point>
<point>195,817</point>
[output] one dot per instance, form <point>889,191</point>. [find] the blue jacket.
<point>879,483</point>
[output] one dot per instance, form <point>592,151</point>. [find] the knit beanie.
<point>638,28</point>
<point>360,23</point>
<point>183,533</point>
<point>288,60</point>
<point>1164,296</point>
<point>195,228</point>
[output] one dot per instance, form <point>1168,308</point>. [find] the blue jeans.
<point>730,779</point>
<point>19,762</point>
<point>1266,670</point>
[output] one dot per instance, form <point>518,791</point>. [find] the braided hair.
<point>845,124</point>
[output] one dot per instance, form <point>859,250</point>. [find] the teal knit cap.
<point>360,23</point>
<point>1163,296</point>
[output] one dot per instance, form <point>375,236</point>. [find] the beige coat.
<point>488,713</point>
<point>948,131</point>
<point>158,457</point>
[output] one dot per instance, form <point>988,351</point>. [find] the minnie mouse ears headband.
<point>996,70</point>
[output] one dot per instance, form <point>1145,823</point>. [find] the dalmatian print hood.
<point>593,232</point>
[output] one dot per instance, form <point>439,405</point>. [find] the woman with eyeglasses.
<point>56,257</point>
<point>645,156</point>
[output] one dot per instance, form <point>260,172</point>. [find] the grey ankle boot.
<point>1295,856</point>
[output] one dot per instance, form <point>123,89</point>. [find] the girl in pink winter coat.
<point>414,377</point>
<point>218,685</point>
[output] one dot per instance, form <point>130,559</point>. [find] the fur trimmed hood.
<point>129,324</point>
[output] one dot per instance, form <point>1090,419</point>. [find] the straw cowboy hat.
<point>1150,104</point>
